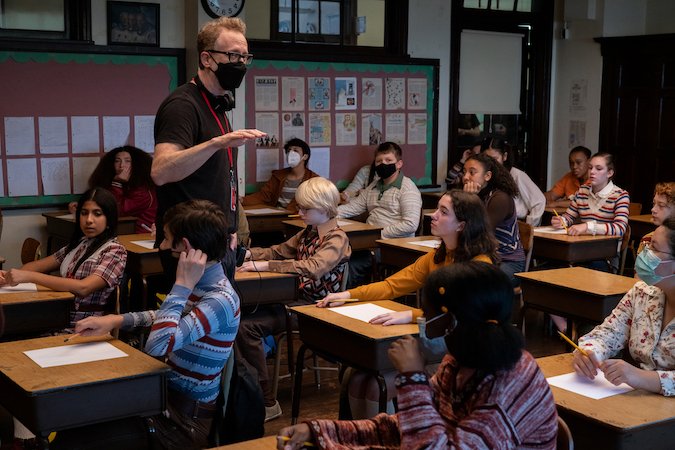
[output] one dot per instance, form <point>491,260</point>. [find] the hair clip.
<point>444,309</point>
<point>441,290</point>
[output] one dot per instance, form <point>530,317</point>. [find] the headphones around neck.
<point>218,102</point>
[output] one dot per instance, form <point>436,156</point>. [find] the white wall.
<point>429,37</point>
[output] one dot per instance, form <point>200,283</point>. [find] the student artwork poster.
<point>293,93</point>
<point>371,129</point>
<point>319,93</point>
<point>345,97</point>
<point>266,93</point>
<point>293,125</point>
<point>371,93</point>
<point>319,129</point>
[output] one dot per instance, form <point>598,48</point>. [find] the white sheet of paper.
<point>21,287</point>
<point>22,177</point>
<point>550,230</point>
<point>116,130</point>
<point>74,354</point>
<point>363,312</point>
<point>262,211</point>
<point>343,222</point>
<point>596,389</point>
<point>55,176</point>
<point>66,217</point>
<point>144,137</point>
<point>53,134</point>
<point>433,243</point>
<point>84,134</point>
<point>321,161</point>
<point>145,243</point>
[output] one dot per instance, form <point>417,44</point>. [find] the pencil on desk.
<point>294,216</point>
<point>146,227</point>
<point>345,300</point>
<point>71,337</point>
<point>571,342</point>
<point>562,221</point>
<point>304,444</point>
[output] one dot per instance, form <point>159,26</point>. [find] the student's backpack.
<point>242,411</point>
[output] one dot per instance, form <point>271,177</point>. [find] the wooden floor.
<point>323,401</point>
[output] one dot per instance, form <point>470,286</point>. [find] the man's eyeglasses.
<point>235,57</point>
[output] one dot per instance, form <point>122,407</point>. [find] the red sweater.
<point>140,202</point>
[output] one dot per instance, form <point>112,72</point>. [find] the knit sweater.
<point>508,409</point>
<point>195,330</point>
<point>608,208</point>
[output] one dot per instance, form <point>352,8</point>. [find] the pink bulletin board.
<point>61,111</point>
<point>333,106</point>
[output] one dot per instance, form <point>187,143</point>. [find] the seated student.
<point>91,266</point>
<point>495,186</point>
<point>530,202</point>
<point>461,222</point>
<point>456,172</point>
<point>600,207</point>
<point>562,192</point>
<point>280,188</point>
<point>393,202</point>
<point>194,328</point>
<point>643,322</point>
<point>663,208</point>
<point>362,179</point>
<point>318,253</point>
<point>487,393</point>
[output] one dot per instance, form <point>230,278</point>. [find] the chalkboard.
<point>60,111</point>
<point>342,110</point>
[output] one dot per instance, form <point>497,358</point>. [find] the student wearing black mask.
<point>195,146</point>
<point>392,202</point>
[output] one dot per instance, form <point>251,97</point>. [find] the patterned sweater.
<point>195,331</point>
<point>609,208</point>
<point>508,409</point>
<point>636,323</point>
<point>397,207</point>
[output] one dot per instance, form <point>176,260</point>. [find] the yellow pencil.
<point>345,300</point>
<point>294,216</point>
<point>571,342</point>
<point>304,444</point>
<point>71,337</point>
<point>561,220</point>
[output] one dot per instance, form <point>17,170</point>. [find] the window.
<point>45,19</point>
<point>500,5</point>
<point>309,20</point>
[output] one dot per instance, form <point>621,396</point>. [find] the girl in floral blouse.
<point>644,322</point>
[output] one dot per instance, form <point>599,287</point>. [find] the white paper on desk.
<point>145,243</point>
<point>66,217</point>
<point>263,211</point>
<point>21,287</point>
<point>597,388</point>
<point>364,312</point>
<point>74,354</point>
<point>550,230</point>
<point>433,243</point>
<point>344,222</point>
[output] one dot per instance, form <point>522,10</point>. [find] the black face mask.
<point>230,75</point>
<point>385,170</point>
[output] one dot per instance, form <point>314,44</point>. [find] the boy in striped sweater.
<point>195,327</point>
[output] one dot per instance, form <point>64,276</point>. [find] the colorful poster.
<point>345,129</point>
<point>371,129</point>
<point>319,129</point>
<point>417,93</point>
<point>394,89</point>
<point>319,93</point>
<point>345,97</point>
<point>293,93</point>
<point>417,128</point>
<point>371,93</point>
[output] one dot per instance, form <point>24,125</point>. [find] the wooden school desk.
<point>36,312</point>
<point>401,252</point>
<point>573,292</point>
<point>574,249</point>
<point>60,225</point>
<point>57,398</point>
<point>141,263</point>
<point>640,225</point>
<point>430,199</point>
<point>362,236</point>
<point>350,341</point>
<point>632,420</point>
<point>263,443</point>
<point>267,222</point>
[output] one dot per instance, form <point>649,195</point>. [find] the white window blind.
<point>489,72</point>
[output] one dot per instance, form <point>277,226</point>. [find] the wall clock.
<point>219,8</point>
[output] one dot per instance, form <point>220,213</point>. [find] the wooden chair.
<point>564,440</point>
<point>625,245</point>
<point>634,209</point>
<point>526,232</point>
<point>31,250</point>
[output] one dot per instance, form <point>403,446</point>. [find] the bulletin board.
<point>61,111</point>
<point>343,111</point>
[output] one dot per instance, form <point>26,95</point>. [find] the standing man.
<point>195,146</point>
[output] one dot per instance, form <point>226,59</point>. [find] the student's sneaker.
<point>272,412</point>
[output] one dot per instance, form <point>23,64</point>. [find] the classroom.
<point>312,89</point>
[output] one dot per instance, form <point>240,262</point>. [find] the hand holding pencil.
<point>585,362</point>
<point>558,222</point>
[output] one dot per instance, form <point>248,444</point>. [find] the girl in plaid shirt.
<point>90,267</point>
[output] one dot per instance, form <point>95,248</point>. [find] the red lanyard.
<point>220,125</point>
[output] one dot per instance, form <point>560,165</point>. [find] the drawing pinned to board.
<point>394,89</point>
<point>19,135</point>
<point>116,131</point>
<point>319,93</point>
<point>290,130</point>
<point>269,123</point>
<point>371,93</point>
<point>371,129</point>
<point>293,93</point>
<point>54,181</point>
<point>84,134</point>
<point>345,129</point>
<point>417,128</point>
<point>266,93</point>
<point>53,134</point>
<point>577,133</point>
<point>319,129</point>
<point>345,89</point>
<point>395,127</point>
<point>22,177</point>
<point>417,93</point>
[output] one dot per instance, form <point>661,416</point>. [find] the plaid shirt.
<point>108,263</point>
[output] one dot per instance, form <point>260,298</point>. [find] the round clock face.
<point>218,8</point>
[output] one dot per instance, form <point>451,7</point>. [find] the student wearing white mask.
<point>643,323</point>
<point>280,188</point>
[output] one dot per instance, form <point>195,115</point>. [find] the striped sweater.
<point>508,409</point>
<point>195,331</point>
<point>609,209</point>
